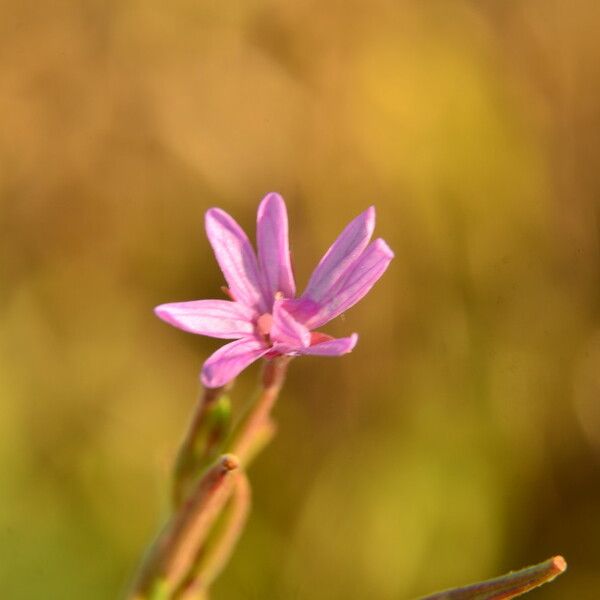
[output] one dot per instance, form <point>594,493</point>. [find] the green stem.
<point>172,555</point>
<point>252,434</point>
<point>256,428</point>
<point>199,448</point>
<point>208,520</point>
<point>221,547</point>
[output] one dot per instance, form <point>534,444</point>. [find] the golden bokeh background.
<point>459,440</point>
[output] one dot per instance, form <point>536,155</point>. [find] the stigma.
<point>264,324</point>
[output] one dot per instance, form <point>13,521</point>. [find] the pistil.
<point>264,324</point>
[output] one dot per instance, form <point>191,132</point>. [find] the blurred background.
<point>461,438</point>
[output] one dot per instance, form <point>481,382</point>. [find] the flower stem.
<point>229,531</point>
<point>206,430</point>
<point>507,586</point>
<point>210,510</point>
<point>256,428</point>
<point>172,555</point>
<point>251,435</point>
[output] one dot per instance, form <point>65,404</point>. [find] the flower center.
<point>264,324</point>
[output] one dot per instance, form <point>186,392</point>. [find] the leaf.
<point>507,586</point>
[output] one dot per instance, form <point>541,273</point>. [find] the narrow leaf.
<point>507,586</point>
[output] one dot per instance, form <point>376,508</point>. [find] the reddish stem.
<point>176,548</point>
<point>258,419</point>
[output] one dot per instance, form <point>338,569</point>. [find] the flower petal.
<point>334,347</point>
<point>215,318</point>
<point>343,252</point>
<point>236,257</point>
<point>273,247</point>
<point>229,360</point>
<point>286,330</point>
<point>354,284</point>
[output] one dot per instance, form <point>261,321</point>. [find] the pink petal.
<point>344,251</point>
<point>356,282</point>
<point>286,330</point>
<point>334,347</point>
<point>273,247</point>
<point>236,258</point>
<point>229,360</point>
<point>302,309</point>
<point>215,318</point>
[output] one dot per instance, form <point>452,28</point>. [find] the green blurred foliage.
<point>459,440</point>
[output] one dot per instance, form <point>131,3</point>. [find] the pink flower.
<point>264,317</point>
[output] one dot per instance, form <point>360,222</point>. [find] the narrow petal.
<point>215,318</point>
<point>286,330</point>
<point>229,360</point>
<point>343,252</point>
<point>236,257</point>
<point>334,347</point>
<point>356,282</point>
<point>302,309</point>
<point>273,247</point>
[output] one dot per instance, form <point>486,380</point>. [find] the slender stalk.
<point>205,432</point>
<point>507,586</point>
<point>251,435</point>
<point>257,424</point>
<point>210,511</point>
<point>234,519</point>
<point>176,548</point>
